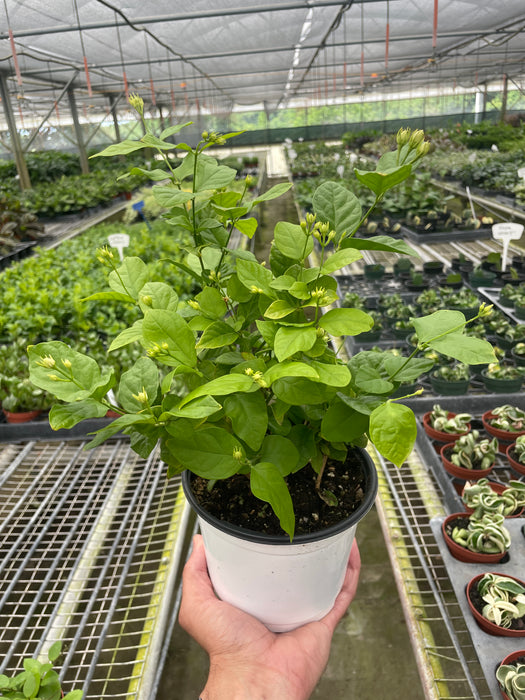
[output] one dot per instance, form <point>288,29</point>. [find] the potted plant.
<point>445,426</point>
<point>374,271</point>
<point>516,454</point>
<point>21,400</point>
<point>470,457</point>
<point>472,540</point>
<point>518,354</point>
<point>505,422</point>
<point>242,388</point>
<point>403,266</point>
<point>37,680</point>
<point>480,277</point>
<point>450,380</point>
<point>511,676</point>
<point>484,496</point>
<point>498,604</point>
<point>502,378</point>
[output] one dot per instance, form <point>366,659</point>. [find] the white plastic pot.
<point>283,584</point>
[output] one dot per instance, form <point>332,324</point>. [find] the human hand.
<point>247,660</point>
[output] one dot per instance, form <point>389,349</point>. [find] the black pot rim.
<point>263,538</point>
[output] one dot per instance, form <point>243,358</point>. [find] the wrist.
<point>247,683</point>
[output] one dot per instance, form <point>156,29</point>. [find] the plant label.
<point>505,233</point>
<point>521,173</point>
<point>119,241</point>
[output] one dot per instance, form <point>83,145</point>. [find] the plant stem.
<point>320,475</point>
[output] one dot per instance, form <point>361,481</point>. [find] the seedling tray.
<point>447,236</point>
<point>491,650</point>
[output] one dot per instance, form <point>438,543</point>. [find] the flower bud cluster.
<point>105,256</point>
<point>213,137</point>
<point>137,103</point>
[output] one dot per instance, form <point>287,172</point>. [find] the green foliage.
<point>255,342</point>
<point>511,678</point>
<point>37,680</point>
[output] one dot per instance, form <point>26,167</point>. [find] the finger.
<point>196,585</point>
<point>348,589</point>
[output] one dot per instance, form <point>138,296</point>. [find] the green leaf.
<point>170,332</point>
<point>339,259</point>
<point>119,424</point>
<point>197,409</point>
<point>346,321</point>
<point>74,695</point>
<point>297,391</point>
<point>154,142</point>
<point>54,651</point>
<point>466,349</point>
<point>252,274</point>
<point>173,130</point>
<point>268,485</point>
<point>210,176</point>
<point>217,335</point>
<point>332,374</point>
<point>289,340</point>
<point>393,431</point>
<point>109,296</point>
<point>247,226</point>
<point>207,452</point>
<point>222,386</point>
<point>156,175</point>
<point>158,295</point>
<point>127,336</point>
<point>249,417</point>
<point>170,196</point>
<point>438,323</point>
<point>211,303</point>
<point>142,376</point>
<point>410,372</point>
<point>272,193</point>
<point>280,451</point>
<point>70,414</point>
<point>80,381</point>
<point>338,206</point>
<point>121,149</point>
<point>130,277</point>
<point>31,686</point>
<point>379,182</point>
<point>341,423</point>
<point>386,243</point>
<point>279,309</point>
<point>292,241</point>
<point>289,369</point>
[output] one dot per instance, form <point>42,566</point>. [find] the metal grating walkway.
<point>90,545</point>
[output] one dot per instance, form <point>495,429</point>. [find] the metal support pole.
<point>23,173</point>
<point>504,98</point>
<point>113,107</point>
<point>84,165</point>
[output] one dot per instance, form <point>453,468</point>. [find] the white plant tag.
<point>119,241</point>
<point>521,173</point>
<point>505,233</point>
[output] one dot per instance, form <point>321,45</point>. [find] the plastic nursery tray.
<point>489,648</point>
<point>447,236</point>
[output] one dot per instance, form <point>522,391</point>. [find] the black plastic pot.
<point>445,387</point>
<point>501,386</point>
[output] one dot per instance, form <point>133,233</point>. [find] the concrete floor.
<point>371,655</point>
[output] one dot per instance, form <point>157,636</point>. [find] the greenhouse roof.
<point>222,55</point>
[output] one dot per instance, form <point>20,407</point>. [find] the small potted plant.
<point>374,271</point>
<point>502,378</point>
<point>37,680</point>
<point>511,676</point>
<point>479,277</point>
<point>516,454</point>
<point>450,380</point>
<point>505,422</point>
<point>21,400</point>
<point>403,267</point>
<point>470,539</point>
<point>445,426</point>
<point>484,496</point>
<point>470,457</point>
<point>518,354</point>
<point>498,604</point>
<point>242,389</point>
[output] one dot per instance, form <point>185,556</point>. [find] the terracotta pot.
<point>462,472</point>
<point>517,466</point>
<point>21,416</point>
<point>497,488</point>
<point>487,625</point>
<point>462,553</point>
<point>509,660</point>
<point>439,435</point>
<point>504,435</point>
